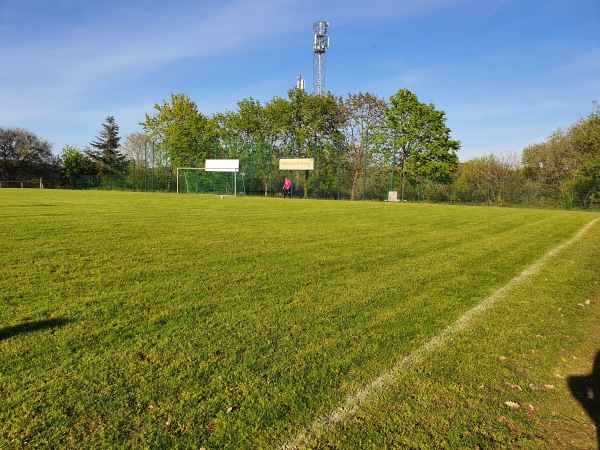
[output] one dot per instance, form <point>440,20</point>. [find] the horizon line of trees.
<point>364,131</point>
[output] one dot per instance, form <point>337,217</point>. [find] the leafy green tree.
<point>492,178</point>
<point>569,160</point>
<point>553,161</point>
<point>244,132</point>
<point>313,125</point>
<point>249,122</point>
<point>585,138</point>
<point>24,155</point>
<point>417,132</point>
<point>187,135</point>
<point>74,163</point>
<point>107,156</point>
<point>249,128</point>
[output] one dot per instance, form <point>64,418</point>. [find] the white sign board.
<point>297,164</point>
<point>222,165</point>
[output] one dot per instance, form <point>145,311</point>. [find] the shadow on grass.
<point>31,326</point>
<point>586,390</point>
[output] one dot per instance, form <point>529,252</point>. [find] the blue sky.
<point>507,73</point>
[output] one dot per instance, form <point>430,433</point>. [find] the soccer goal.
<point>218,177</point>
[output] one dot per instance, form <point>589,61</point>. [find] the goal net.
<point>198,180</point>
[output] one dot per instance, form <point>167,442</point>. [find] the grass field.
<point>134,320</point>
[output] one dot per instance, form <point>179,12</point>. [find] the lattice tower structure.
<point>320,46</point>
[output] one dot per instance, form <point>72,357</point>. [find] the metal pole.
<point>251,164</point>
<point>365,164</point>
<point>315,169</point>
<point>572,196</point>
<point>167,166</point>
<point>145,167</point>
<point>271,168</point>
<point>153,166</point>
<point>339,166</point>
<point>393,158</point>
<point>292,174</point>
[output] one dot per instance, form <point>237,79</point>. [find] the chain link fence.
<point>335,176</point>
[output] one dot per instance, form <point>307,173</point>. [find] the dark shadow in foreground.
<point>31,326</point>
<point>586,390</point>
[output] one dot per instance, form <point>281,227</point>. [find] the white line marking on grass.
<point>354,401</point>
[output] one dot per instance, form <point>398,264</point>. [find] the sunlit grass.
<point>164,321</point>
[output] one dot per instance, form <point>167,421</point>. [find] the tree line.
<point>362,135</point>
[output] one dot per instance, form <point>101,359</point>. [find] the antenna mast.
<point>320,46</point>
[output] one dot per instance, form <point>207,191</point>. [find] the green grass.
<point>159,321</point>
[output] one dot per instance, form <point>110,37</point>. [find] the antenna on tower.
<point>300,83</point>
<point>320,46</point>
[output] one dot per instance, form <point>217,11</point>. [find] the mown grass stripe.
<point>354,401</point>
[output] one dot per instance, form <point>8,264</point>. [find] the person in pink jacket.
<point>287,186</point>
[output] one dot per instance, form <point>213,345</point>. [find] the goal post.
<point>222,180</point>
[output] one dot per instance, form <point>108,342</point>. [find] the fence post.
<point>271,168</point>
<point>315,168</point>
<point>365,161</point>
<point>145,167</point>
<point>339,166</point>
<point>572,196</point>
<point>251,165</point>
<point>167,166</point>
<point>393,161</point>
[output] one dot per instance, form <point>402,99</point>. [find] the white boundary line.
<point>354,401</point>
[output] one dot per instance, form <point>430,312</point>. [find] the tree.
<point>418,134</point>
<point>569,160</point>
<point>362,113</point>
<point>553,161</point>
<point>249,122</point>
<point>313,124</point>
<point>24,155</point>
<point>492,178</point>
<point>187,134</point>
<point>135,144</point>
<point>107,156</point>
<point>74,163</point>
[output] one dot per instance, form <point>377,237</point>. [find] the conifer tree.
<point>107,156</point>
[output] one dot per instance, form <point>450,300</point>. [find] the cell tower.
<point>320,46</point>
